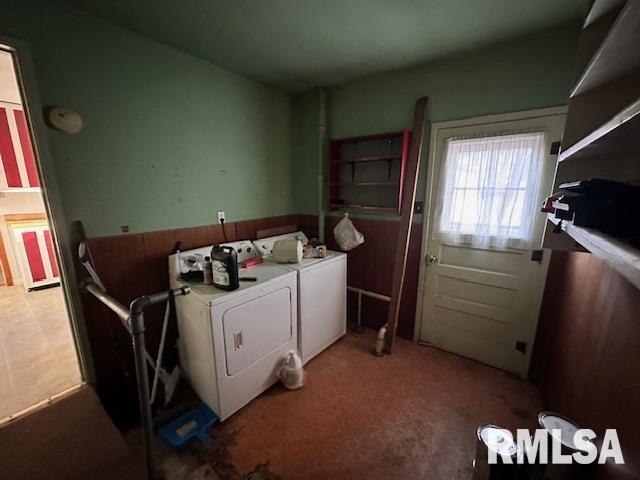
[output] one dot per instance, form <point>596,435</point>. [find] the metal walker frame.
<point>133,320</point>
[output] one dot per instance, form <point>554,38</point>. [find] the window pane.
<point>489,184</point>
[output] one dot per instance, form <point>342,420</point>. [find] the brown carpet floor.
<point>410,415</point>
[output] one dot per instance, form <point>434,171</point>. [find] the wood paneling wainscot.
<point>131,265</point>
<point>370,266</point>
<point>587,352</point>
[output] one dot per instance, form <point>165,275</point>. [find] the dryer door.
<point>256,328</point>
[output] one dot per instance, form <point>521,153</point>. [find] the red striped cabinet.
<point>36,256</point>
<point>19,169</point>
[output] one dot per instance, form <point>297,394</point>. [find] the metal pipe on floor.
<point>142,379</point>
<point>368,293</point>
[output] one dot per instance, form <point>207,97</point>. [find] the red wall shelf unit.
<point>367,172</point>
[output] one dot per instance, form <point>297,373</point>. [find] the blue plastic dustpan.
<point>193,424</point>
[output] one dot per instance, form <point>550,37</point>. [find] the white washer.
<point>231,343</point>
<point>322,295</point>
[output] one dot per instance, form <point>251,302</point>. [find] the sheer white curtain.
<point>488,188</point>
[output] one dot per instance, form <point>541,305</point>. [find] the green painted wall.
<point>530,72</point>
<point>305,151</point>
<point>168,139</point>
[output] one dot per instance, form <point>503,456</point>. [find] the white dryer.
<point>322,295</point>
<point>231,343</point>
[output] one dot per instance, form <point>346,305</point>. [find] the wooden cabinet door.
<point>36,256</point>
<point>17,161</point>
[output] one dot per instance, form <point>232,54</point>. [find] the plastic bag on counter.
<point>347,235</point>
<point>291,372</point>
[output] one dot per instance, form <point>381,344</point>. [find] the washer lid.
<point>308,263</point>
<point>498,439</point>
<point>265,245</point>
<point>553,421</point>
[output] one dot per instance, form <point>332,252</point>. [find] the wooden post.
<point>4,265</point>
<point>406,218</point>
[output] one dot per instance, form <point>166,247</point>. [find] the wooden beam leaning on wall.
<point>406,218</point>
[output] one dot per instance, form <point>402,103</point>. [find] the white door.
<point>481,284</point>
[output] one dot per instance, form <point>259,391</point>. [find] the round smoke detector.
<point>65,120</point>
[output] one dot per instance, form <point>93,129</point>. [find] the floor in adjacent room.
<point>410,415</point>
<point>37,354</point>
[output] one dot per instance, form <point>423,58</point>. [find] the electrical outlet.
<point>221,217</point>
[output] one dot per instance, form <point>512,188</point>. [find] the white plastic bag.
<point>291,372</point>
<point>347,235</point>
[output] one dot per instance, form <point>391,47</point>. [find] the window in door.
<point>489,187</point>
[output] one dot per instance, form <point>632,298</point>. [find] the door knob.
<point>431,259</point>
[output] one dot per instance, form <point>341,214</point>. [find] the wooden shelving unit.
<point>617,54</point>
<point>600,8</point>
<point>615,252</point>
<point>602,133</point>
<point>364,184</point>
<point>367,172</point>
<point>374,158</point>
<point>619,134</point>
<point>338,206</point>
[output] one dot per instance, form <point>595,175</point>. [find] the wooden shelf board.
<point>373,158</point>
<point>600,8</point>
<point>363,207</point>
<point>616,55</point>
<point>364,184</point>
<point>369,138</point>
<point>619,255</point>
<point>618,134</point>
<point>20,190</point>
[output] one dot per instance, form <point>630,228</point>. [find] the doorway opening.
<point>38,356</point>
